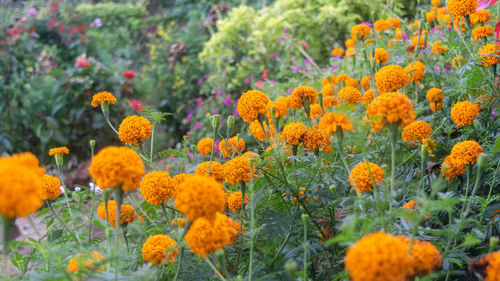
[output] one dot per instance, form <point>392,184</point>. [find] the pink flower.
<point>304,43</point>
<point>197,125</point>
<point>128,74</point>
<point>497,31</point>
<point>259,83</point>
<point>228,101</point>
<point>82,61</point>
<point>483,4</point>
<point>264,73</point>
<point>136,105</point>
<point>188,117</point>
<point>167,167</point>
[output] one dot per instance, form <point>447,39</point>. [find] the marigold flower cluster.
<point>390,78</point>
<point>337,52</point>
<point>233,143</point>
<point>58,151</point>
<point>293,133</point>
<point>462,154</point>
<point>84,262</point>
<point>381,56</point>
<point>281,106</point>
<point>490,54</point>
<point>415,71</point>
<point>368,96</point>
<point>315,139</point>
<point>438,48</point>
<point>488,266</point>
<point>435,97</point>
<point>115,167</point>
<point>360,31</point>
<point>251,104</point>
<point>300,94</point>
<point>103,97</point>
<point>204,146</point>
<point>350,95</point>
<point>360,178</point>
<point>235,199</point>
<point>482,31</point>
<point>329,101</point>
<point>464,112</point>
<point>159,248</point>
<point>255,129</point>
<point>157,187</point>
<point>331,122</point>
<point>481,16</point>
<point>127,213</point>
<point>461,8</point>
<point>416,131</point>
<point>381,25</point>
<point>390,108</point>
<point>134,130</point>
<point>51,188</point>
<point>237,170</point>
<point>315,111</point>
<point>216,170</point>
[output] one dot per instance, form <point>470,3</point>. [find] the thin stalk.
<point>7,225</point>
<point>280,249</point>
<point>105,113</point>
<point>179,265</point>
<point>252,224</point>
<point>119,200</point>
<point>474,190</point>
<point>214,269</point>
<point>152,144</point>
<point>305,250</point>
<point>214,134</point>
<point>394,140</point>
<point>92,212</point>
<point>63,223</point>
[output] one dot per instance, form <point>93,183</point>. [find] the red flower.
<point>82,61</point>
<point>497,29</point>
<point>304,43</point>
<point>13,31</point>
<point>483,4</point>
<point>136,105</point>
<point>259,83</point>
<point>129,74</point>
<point>264,73</point>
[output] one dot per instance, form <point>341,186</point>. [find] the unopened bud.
<point>230,121</point>
<point>481,160</point>
<point>92,143</point>
<point>219,254</point>
<point>305,217</point>
<point>215,121</point>
<point>384,167</point>
<point>493,243</point>
<point>332,188</point>
<point>185,138</point>
<point>192,147</point>
<point>291,268</point>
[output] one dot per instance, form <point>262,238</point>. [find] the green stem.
<point>214,269</point>
<point>474,190</point>
<point>105,113</point>
<point>179,265</point>
<point>119,199</point>
<point>152,144</point>
<point>212,152</point>
<point>305,250</point>
<point>394,140</point>
<point>63,223</point>
<point>7,225</point>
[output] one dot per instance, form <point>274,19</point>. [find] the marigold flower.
<point>342,77</point>
<point>390,108</point>
<point>134,129</point>
<point>115,167</point>
<point>178,180</point>
<point>237,170</point>
<point>460,8</point>
<point>204,146</point>
<point>429,145</point>
<point>329,101</point>
<point>337,52</point>
<point>416,131</point>
<point>412,204</point>
<point>436,2</point>
<point>426,258</point>
<point>350,95</point>
<point>381,56</point>
<point>464,112</point>
<point>467,151</point>
<point>51,188</point>
<point>227,150</point>
<point>200,196</point>
<point>157,187</point>
<point>365,82</point>
<point>481,16</point>
<point>250,155</point>
<point>281,106</point>
<point>251,104</point>
<point>395,22</point>
<point>300,94</point>
<point>20,185</point>
<point>360,31</point>
<point>418,40</point>
<point>430,16</point>
<point>256,130</point>
<point>103,97</point>
<point>205,236</point>
<point>390,78</point>
<point>368,96</point>
<point>159,248</point>
<point>180,222</point>
<point>351,82</point>
<point>482,31</point>
<point>327,90</point>
<point>437,48</point>
<point>360,179</point>
<point>216,170</point>
<point>315,111</point>
<point>379,257</point>
<point>488,266</point>
<point>293,133</point>
<point>234,201</point>
<point>331,122</point>
<point>349,43</point>
<point>490,54</point>
<point>315,139</point>
<point>381,25</point>
<point>84,262</point>
<point>435,97</point>
<point>415,71</point>
<point>58,151</point>
<point>127,213</point>
<point>350,53</point>
<point>458,61</point>
<point>452,167</point>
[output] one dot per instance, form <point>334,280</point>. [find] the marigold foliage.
<point>416,131</point>
<point>103,97</point>
<point>134,130</point>
<point>300,94</point>
<point>360,179</point>
<point>127,213</point>
<point>234,201</point>
<point>216,170</point>
<point>204,146</point>
<point>237,170</point>
<point>115,167</point>
<point>51,188</point>
<point>390,78</point>
<point>227,150</point>
<point>331,122</point>
<point>293,133</point>
<point>157,187</point>
<point>58,151</point>
<point>350,95</point>
<point>159,248</point>
<point>251,104</point>
<point>464,112</point>
<point>435,97</point>
<point>390,108</point>
<point>490,54</point>
<point>83,262</point>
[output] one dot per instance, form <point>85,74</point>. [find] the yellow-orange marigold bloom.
<point>360,31</point>
<point>349,43</point>
<point>412,204</point>
<point>350,95</point>
<point>216,170</point>
<point>293,133</point>
<point>395,22</point>
<point>134,130</point>
<point>416,131</point>
<point>234,201</point>
<point>331,122</point>
<point>435,2</point>
<point>379,257</point>
<point>103,97</point>
<point>256,130</point>
<point>329,101</point>
<point>415,71</point>
<point>204,146</point>
<point>381,56</point>
<point>390,78</point>
<point>178,180</point>
<point>159,248</point>
<point>327,90</point>
<point>452,167</point>
<point>237,170</point>
<point>281,106</point>
<point>351,82</point>
<point>315,139</point>
<point>426,258</point>
<point>20,185</point>
<point>115,167</point>
<point>429,145</point>
<point>368,96</point>
<point>316,110</point>
<point>381,25</point>
<point>227,150</point>
<point>435,97</point>
<point>415,40</point>
<point>300,94</point>
<point>340,78</point>
<point>481,16</point>
<point>337,52</point>
<point>430,16</point>
<point>251,104</point>
<point>360,179</point>
<point>200,196</point>
<point>460,8</point>
<point>467,151</point>
<point>482,31</point>
<point>458,61</point>
<point>51,187</point>
<point>83,262</point>
<point>157,187</point>
<point>350,53</point>
<point>180,222</point>
<point>205,236</point>
<point>127,213</point>
<point>58,151</point>
<point>490,54</point>
<point>488,266</point>
<point>464,112</point>
<point>365,82</point>
<point>391,108</point>
<point>437,48</point>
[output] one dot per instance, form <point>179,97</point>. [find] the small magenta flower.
<point>197,125</point>
<point>188,117</point>
<point>335,67</point>
<point>247,81</point>
<point>275,56</point>
<point>32,12</point>
<point>447,67</point>
<point>494,114</point>
<point>297,68</point>
<point>228,101</point>
<point>96,23</point>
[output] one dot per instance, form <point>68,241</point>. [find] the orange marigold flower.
<point>350,95</point>
<point>232,144</point>
<point>488,266</point>
<point>452,167</point>
<point>115,167</point>
<point>360,179</point>
<point>390,78</point>
<point>381,25</point>
<point>328,90</point>
<point>237,170</point>
<point>437,48</point>
<point>351,82</point>
<point>349,43</point>
<point>256,130</point>
<point>300,94</point>
<point>329,101</point>
<point>368,96</point>
<point>415,40</point>
<point>460,8</point>
<point>381,56</point>
<point>415,71</point>
<point>331,122</point>
<point>83,262</point>
<point>458,61</point>
<point>464,112</point>
<point>216,170</point>
<point>426,258</point>
<point>204,146</point>
<point>316,110</point>
<point>178,180</point>
<point>58,151</point>
<point>337,52</point>
<point>205,236</point>
<point>342,77</point>
<point>250,155</point>
<point>391,108</point>
<point>200,196</point>
<point>482,31</point>
<point>481,16</point>
<point>293,133</point>
<point>315,139</point>
<point>281,106</point>
<point>395,22</point>
<point>134,130</point>
<point>127,213</point>
<point>435,2</point>
<point>180,222</point>
<point>159,248</point>
<point>467,151</point>
<point>435,97</point>
<point>360,31</point>
<point>103,97</point>
<point>157,187</point>
<point>251,104</point>
<point>430,16</point>
<point>379,257</point>
<point>365,82</point>
<point>490,54</point>
<point>234,201</point>
<point>51,187</point>
<point>412,204</point>
<point>416,131</point>
<point>350,53</point>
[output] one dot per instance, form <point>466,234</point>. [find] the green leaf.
<point>497,145</point>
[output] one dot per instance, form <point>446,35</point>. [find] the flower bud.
<point>481,160</point>
<point>332,188</point>
<point>219,254</point>
<point>384,167</point>
<point>493,243</point>
<point>109,232</point>
<point>92,144</point>
<point>215,121</point>
<point>291,268</point>
<point>230,121</point>
<point>192,147</point>
<point>305,217</point>
<point>59,160</point>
